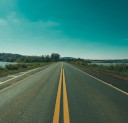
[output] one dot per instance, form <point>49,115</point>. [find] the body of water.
<point>107,64</point>
<point>4,63</point>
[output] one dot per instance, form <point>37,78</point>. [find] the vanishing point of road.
<point>61,93</point>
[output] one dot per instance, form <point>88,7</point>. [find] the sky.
<point>90,29</point>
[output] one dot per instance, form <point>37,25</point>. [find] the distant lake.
<point>107,64</point>
<point>4,63</point>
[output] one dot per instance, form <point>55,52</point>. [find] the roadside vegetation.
<point>118,70</point>
<point>19,67</point>
<point>29,62</point>
<point>23,63</point>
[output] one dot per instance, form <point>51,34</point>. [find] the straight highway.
<point>61,93</point>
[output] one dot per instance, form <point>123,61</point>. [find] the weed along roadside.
<point>19,67</point>
<point>23,62</point>
<point>118,70</point>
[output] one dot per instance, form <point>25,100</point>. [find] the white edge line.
<point>18,76</point>
<point>22,80</point>
<point>102,81</point>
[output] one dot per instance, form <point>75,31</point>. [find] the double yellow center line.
<point>65,101</point>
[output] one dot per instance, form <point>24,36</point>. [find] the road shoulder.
<point>119,83</point>
<point>14,78</point>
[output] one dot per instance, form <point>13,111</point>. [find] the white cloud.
<point>12,18</point>
<point>48,23</point>
<point>7,6</point>
<point>3,22</point>
<point>14,26</point>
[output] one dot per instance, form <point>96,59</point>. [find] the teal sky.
<point>91,29</point>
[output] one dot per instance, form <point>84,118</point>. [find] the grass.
<point>115,70</point>
<point>19,67</point>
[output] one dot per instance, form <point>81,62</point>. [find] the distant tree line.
<point>8,57</point>
<point>111,61</point>
<point>54,57</point>
<point>79,60</point>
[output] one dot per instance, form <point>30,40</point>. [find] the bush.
<point>1,68</point>
<point>12,66</point>
<point>23,65</point>
<point>120,69</point>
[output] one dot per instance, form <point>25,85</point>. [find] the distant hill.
<point>8,57</point>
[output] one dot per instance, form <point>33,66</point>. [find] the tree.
<point>47,58</point>
<point>55,57</point>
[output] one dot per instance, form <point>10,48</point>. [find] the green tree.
<point>55,57</point>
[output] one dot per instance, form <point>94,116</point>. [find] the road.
<point>61,93</point>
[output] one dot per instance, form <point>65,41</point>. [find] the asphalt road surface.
<point>61,93</point>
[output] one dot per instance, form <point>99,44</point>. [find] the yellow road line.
<point>57,105</point>
<point>65,102</point>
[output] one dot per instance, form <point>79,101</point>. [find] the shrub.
<point>1,68</point>
<point>120,69</point>
<point>12,66</point>
<point>23,65</point>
